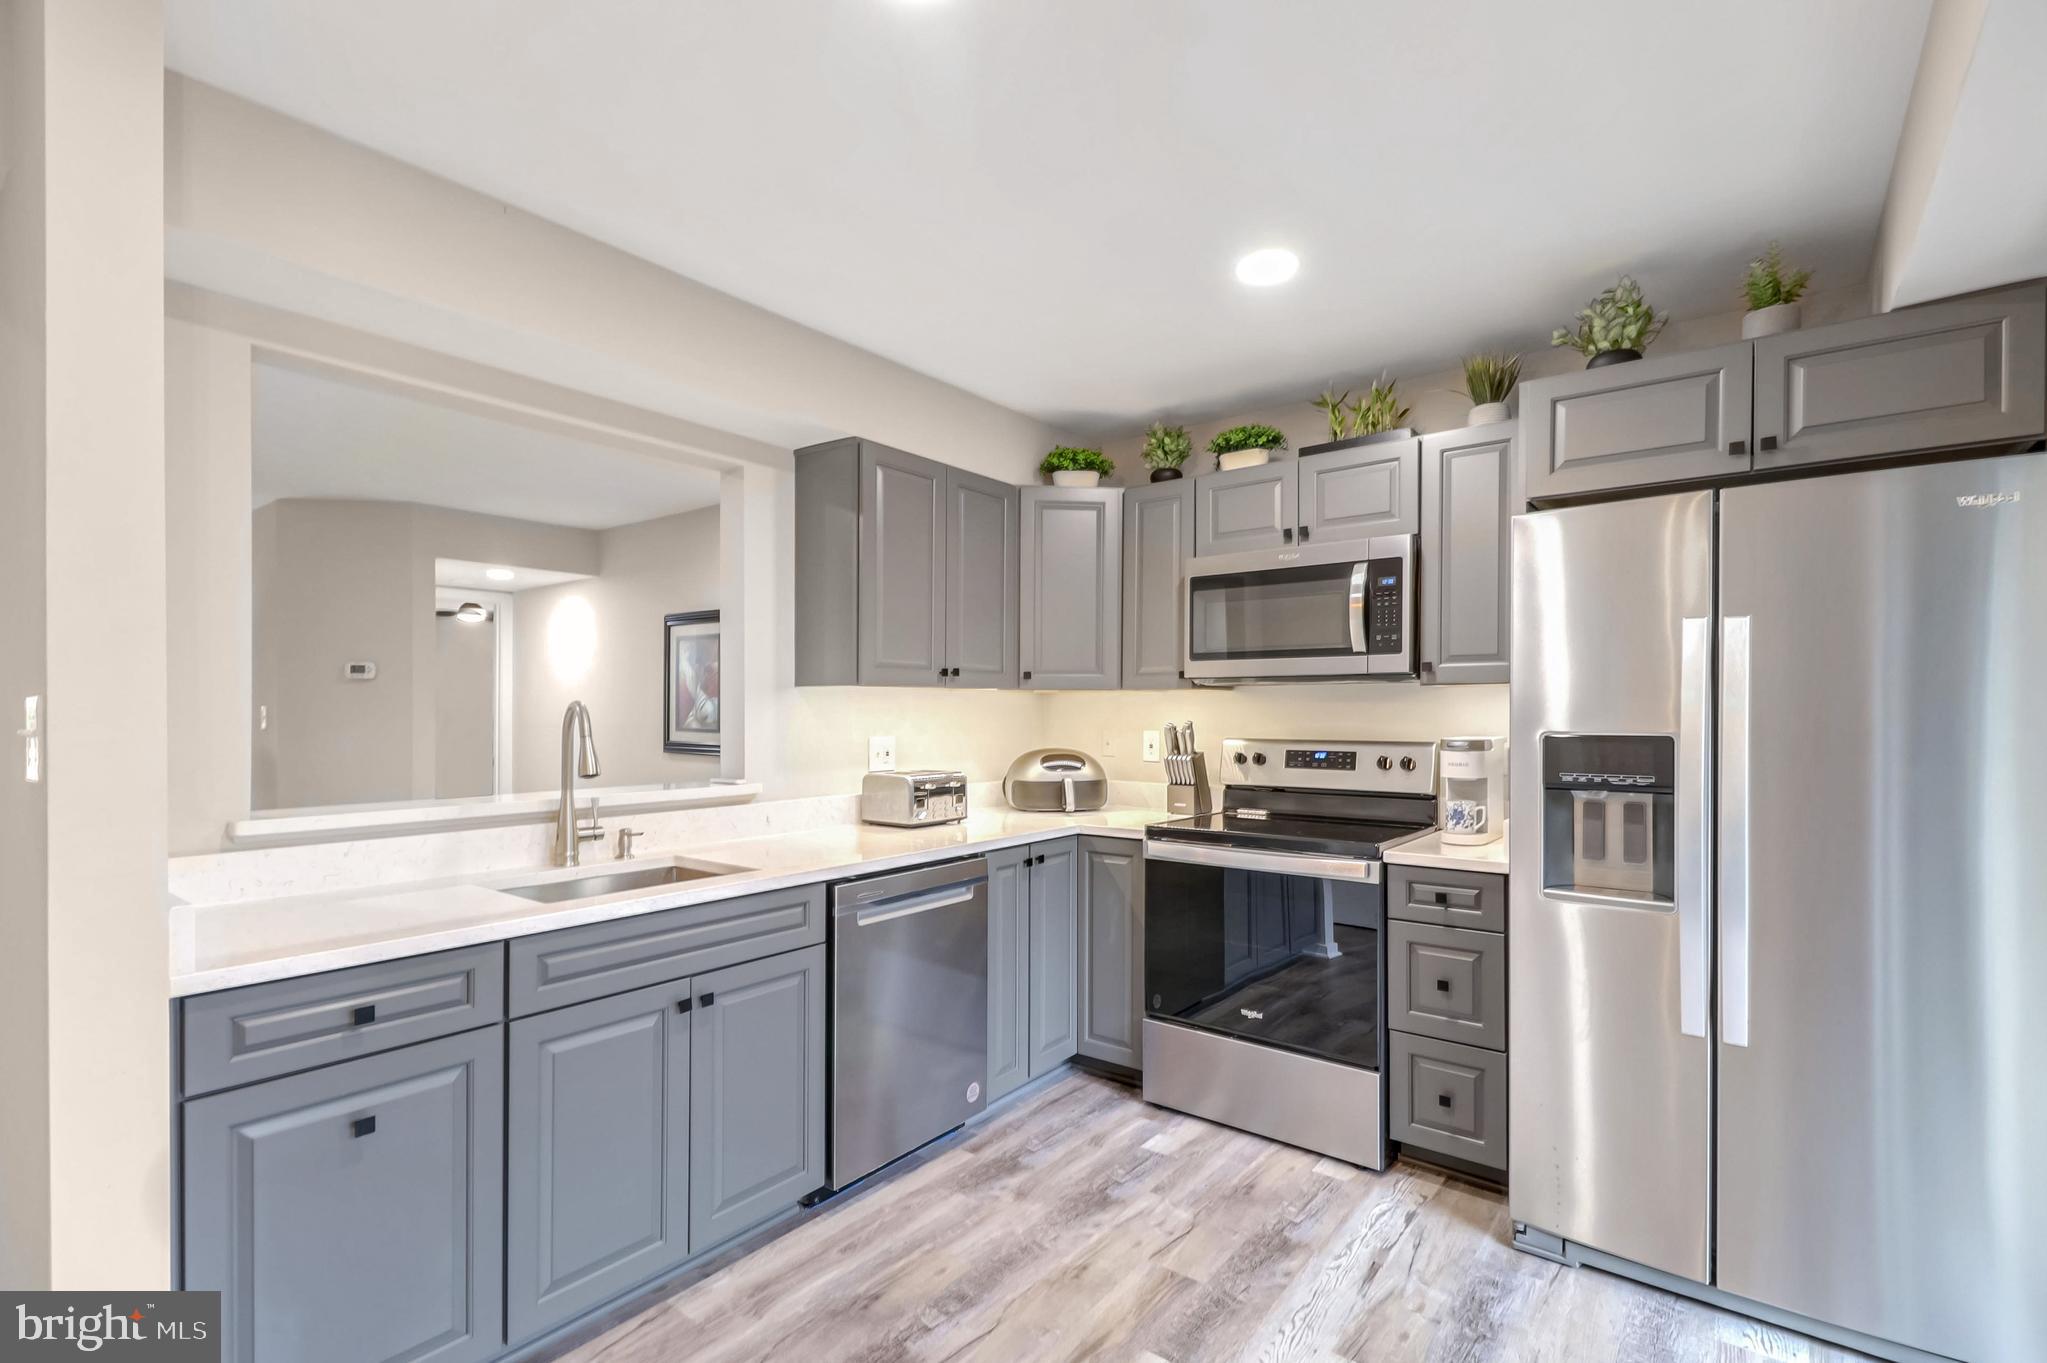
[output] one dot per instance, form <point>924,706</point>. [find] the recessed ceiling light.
<point>499,574</point>
<point>1273,265</point>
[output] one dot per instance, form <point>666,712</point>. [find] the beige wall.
<point>465,707</point>
<point>645,572</point>
<point>85,1123</point>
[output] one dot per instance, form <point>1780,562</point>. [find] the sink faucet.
<point>569,831</point>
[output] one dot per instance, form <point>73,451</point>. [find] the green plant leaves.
<point>1618,319</point>
<point>1070,457</point>
<point>1166,447</point>
<point>1247,438</point>
<point>1336,408</point>
<point>1767,283</point>
<point>1490,377</point>
<point>1378,410</point>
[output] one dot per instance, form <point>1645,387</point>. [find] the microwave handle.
<point>1358,573</point>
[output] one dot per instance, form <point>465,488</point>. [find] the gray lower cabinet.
<point>1110,936</point>
<point>1359,491</point>
<point>353,1214</point>
<point>1447,982</point>
<point>1944,375</point>
<point>1446,1014</point>
<point>1009,970</point>
<point>1664,419</point>
<point>980,580</point>
<point>1467,500</point>
<point>757,1092</point>
<point>1245,509</point>
<point>1449,1098</point>
<point>1072,596</point>
<point>597,1153</point>
<point>1054,950</point>
<point>1158,539</point>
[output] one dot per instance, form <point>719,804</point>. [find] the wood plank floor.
<point>1081,1223</point>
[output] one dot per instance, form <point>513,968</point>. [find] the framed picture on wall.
<point>689,686</point>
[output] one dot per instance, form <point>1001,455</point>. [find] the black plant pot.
<point>1607,357</point>
<point>1164,475</point>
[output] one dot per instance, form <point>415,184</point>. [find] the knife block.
<point>1191,796</point>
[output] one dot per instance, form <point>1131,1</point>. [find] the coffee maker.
<point>1474,790</point>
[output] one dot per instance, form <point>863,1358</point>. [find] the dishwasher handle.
<point>959,892</point>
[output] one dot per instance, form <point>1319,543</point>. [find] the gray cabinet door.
<point>756,1103</point>
<point>1111,941</point>
<point>596,1153</point>
<point>980,580</point>
<point>1245,509</point>
<point>353,1214</point>
<point>1941,376</point>
<point>1448,983</point>
<point>1009,970</point>
<point>1072,607</point>
<point>1158,539</point>
<point>1054,1021</point>
<point>1467,482</point>
<point>902,568</point>
<point>1360,492</point>
<point>1660,420</point>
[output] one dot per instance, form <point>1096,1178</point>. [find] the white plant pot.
<point>1769,321</point>
<point>1243,459</point>
<point>1486,413</point>
<point>1076,478</point>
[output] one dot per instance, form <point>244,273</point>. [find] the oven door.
<point>1280,950</point>
<point>1281,614</point>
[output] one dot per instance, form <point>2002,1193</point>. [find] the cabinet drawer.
<point>1449,1098</point>
<point>241,1035</point>
<point>575,964</point>
<point>1451,899</point>
<point>1447,982</point>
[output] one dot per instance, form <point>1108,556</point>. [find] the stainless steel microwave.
<point>1332,612</point>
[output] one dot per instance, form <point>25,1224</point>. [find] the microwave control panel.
<point>1385,613</point>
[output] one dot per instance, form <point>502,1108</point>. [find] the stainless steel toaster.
<point>908,799</point>
<point>1062,780</point>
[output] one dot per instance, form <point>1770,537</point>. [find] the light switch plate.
<point>881,752</point>
<point>1110,747</point>
<point>31,735</point>
<point>1151,745</point>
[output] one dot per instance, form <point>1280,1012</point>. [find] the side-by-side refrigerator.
<point>1779,915</point>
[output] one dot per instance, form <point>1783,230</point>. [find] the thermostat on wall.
<point>359,671</point>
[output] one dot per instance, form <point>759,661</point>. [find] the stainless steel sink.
<point>619,882</point>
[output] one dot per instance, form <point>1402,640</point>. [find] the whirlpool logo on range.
<point>166,1327</point>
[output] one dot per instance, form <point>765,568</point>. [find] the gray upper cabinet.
<point>1944,375</point>
<point>1467,485</point>
<point>1054,1020</point>
<point>756,1109</point>
<point>597,1153</point>
<point>980,580</point>
<point>1111,941</point>
<point>1009,970</point>
<point>1245,509</point>
<point>902,568</point>
<point>1072,598</point>
<point>1659,420</point>
<point>1359,492</point>
<point>1158,539</point>
<point>353,1214</point>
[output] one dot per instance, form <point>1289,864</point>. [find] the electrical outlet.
<point>1109,745</point>
<point>881,752</point>
<point>1151,745</point>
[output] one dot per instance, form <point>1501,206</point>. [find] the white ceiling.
<point>1041,202</point>
<point>318,436</point>
<point>470,575</point>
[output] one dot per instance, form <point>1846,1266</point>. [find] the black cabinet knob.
<point>1767,443</point>
<point>1442,896</point>
<point>684,1005</point>
<point>362,1126</point>
<point>1287,534</point>
<point>1304,534</point>
<point>363,1016</point>
<point>1738,448</point>
<point>1027,676</point>
<point>706,1000</point>
<point>1442,1100</point>
<point>1442,986</point>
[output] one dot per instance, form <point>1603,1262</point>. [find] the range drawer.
<point>576,964</point>
<point>1451,899</point>
<point>264,1030</point>
<point>1449,1098</point>
<point>1447,982</point>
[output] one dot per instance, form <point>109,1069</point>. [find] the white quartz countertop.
<point>1428,849</point>
<point>222,946</point>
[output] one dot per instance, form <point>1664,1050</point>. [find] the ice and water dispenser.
<point>1608,825</point>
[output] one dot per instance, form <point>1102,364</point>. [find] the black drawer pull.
<point>1739,448</point>
<point>1442,896</point>
<point>1767,443</point>
<point>363,1016</point>
<point>1287,534</point>
<point>363,1126</point>
<point>706,1000</point>
<point>1027,675</point>
<point>1442,986</point>
<point>1442,1100</point>
<point>1304,534</point>
<point>684,1005</point>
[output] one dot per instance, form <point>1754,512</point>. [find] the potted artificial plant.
<point>1614,327</point>
<point>1772,293</point>
<point>1242,447</point>
<point>1071,466</point>
<point>1378,415</point>
<point>1165,449</point>
<point>1489,381</point>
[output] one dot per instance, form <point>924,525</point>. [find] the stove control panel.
<point>1338,765</point>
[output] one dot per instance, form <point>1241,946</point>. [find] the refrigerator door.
<point>1883,947</point>
<point>1609,1133</point>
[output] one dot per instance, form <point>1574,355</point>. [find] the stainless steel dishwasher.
<point>909,1011</point>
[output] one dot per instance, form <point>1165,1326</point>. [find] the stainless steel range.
<point>1264,953</point>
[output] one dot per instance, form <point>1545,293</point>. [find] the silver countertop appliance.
<point>1056,780</point>
<point>911,799</point>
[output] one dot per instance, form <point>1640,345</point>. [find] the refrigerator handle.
<point>1694,792</point>
<point>1734,696</point>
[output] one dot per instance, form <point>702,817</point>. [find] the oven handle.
<point>1358,573</point>
<point>1279,863</point>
